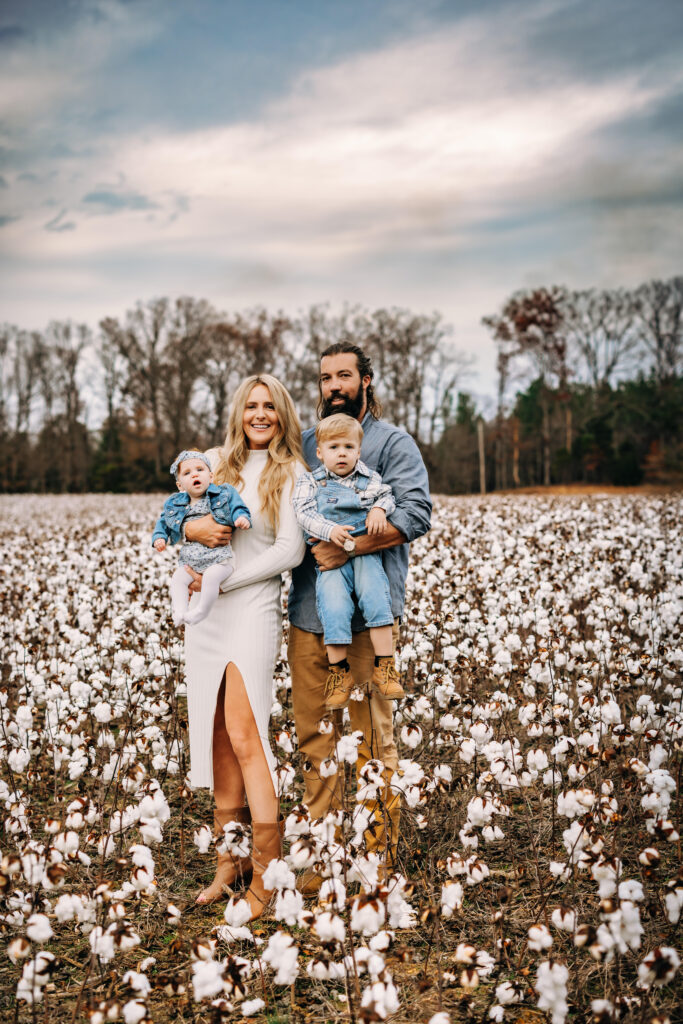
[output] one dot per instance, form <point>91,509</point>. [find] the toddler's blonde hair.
<point>338,426</point>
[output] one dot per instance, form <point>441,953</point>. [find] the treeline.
<point>602,401</point>
<point>589,388</point>
<point>109,410</point>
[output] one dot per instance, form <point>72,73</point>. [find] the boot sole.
<point>386,696</point>
<point>227,891</point>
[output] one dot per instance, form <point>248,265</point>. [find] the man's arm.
<point>329,556</point>
<point>208,532</point>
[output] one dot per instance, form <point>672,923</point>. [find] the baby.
<point>339,499</point>
<point>198,497</point>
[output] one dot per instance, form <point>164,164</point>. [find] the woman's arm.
<point>286,551</point>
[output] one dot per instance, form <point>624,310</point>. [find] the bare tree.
<point>418,366</point>
<point>67,342</point>
<point>182,364</point>
<point>239,346</point>
<point>602,325</point>
<point>142,340</point>
<point>113,373</point>
<point>531,325</point>
<point>660,309</point>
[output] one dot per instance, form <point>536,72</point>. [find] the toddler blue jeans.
<point>363,576</point>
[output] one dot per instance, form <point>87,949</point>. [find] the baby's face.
<point>194,476</point>
<point>339,455</point>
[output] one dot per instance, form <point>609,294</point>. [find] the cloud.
<point>441,170</point>
<point>10,34</point>
<point>55,66</point>
<point>105,201</point>
<point>6,219</point>
<point>59,224</point>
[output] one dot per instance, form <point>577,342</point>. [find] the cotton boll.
<point>289,905</point>
<point>250,1007</point>
<point>237,912</point>
<point>451,898</point>
<point>659,967</point>
<point>282,955</point>
<point>411,735</point>
<point>564,919</point>
<point>329,927</point>
<point>203,839</point>
<point>279,876</point>
<point>551,988</point>
<point>367,915</point>
<point>137,982</point>
<point>38,928</point>
<point>207,979</point>
<point>18,949</point>
<point>540,938</point>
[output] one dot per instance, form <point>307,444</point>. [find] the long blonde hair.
<point>284,451</point>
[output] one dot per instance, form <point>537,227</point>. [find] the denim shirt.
<point>396,457</point>
<point>226,506</point>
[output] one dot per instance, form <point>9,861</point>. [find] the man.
<point>346,386</point>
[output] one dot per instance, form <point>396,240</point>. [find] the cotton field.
<point>540,859</point>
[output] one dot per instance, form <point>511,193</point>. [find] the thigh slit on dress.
<point>244,626</point>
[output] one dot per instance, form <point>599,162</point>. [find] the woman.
<point>230,655</point>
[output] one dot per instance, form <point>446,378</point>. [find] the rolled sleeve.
<point>378,495</point>
<point>404,470</point>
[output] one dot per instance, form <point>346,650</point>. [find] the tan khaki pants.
<point>373,716</point>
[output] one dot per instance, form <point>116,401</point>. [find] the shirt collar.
<point>360,469</point>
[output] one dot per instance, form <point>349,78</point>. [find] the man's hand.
<point>242,523</point>
<point>196,584</point>
<point>376,521</point>
<point>328,555</point>
<point>340,534</point>
<point>160,544</point>
<point>208,532</point>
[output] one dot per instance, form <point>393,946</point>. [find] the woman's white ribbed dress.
<point>245,624</point>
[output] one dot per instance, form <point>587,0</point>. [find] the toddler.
<point>198,497</point>
<point>338,500</point>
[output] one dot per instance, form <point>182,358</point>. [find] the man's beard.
<point>352,405</point>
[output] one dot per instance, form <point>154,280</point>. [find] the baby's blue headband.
<point>189,454</point>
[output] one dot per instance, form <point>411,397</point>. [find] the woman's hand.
<point>196,584</point>
<point>208,532</point>
<point>376,521</point>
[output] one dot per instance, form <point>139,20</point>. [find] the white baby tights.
<point>180,597</point>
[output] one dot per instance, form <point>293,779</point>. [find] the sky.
<point>433,155</point>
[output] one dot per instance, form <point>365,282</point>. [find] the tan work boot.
<point>229,869</point>
<point>338,687</point>
<point>385,679</point>
<point>266,846</point>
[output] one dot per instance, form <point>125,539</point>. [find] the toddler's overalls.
<point>363,575</point>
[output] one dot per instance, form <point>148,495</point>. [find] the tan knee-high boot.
<point>229,869</point>
<point>266,846</point>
